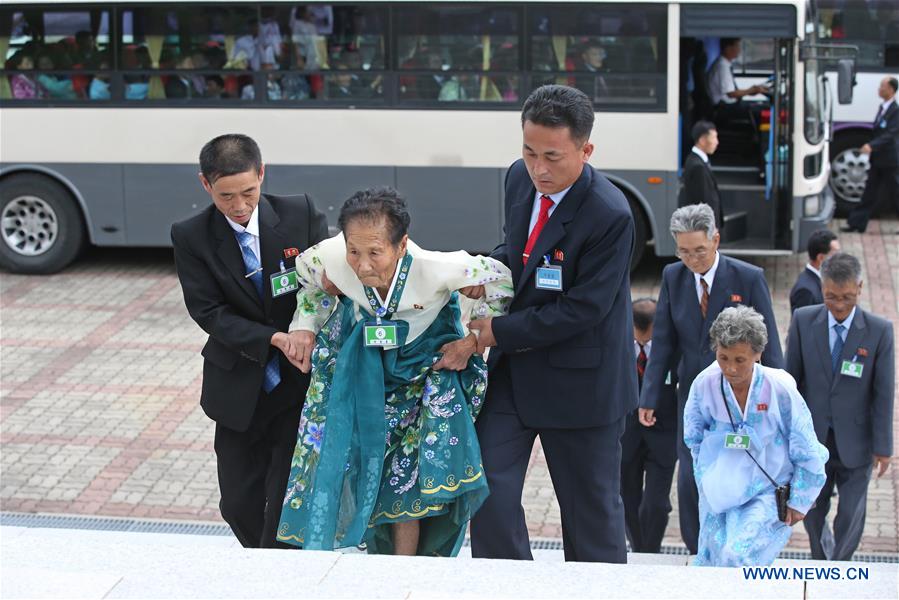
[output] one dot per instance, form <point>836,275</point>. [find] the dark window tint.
<point>872,25</point>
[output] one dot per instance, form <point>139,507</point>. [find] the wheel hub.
<point>29,226</point>
<point>849,172</point>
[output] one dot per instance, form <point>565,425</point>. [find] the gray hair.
<point>693,217</point>
<point>739,325</point>
<point>841,268</point>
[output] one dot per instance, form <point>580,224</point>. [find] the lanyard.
<point>380,311</point>
<point>734,427</point>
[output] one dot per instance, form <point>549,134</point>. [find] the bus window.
<point>448,53</point>
<point>616,55</point>
<point>55,54</point>
<point>872,25</point>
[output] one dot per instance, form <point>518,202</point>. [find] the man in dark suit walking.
<point>807,289</point>
<point>563,363</point>
<point>699,182</point>
<point>232,262</point>
<point>842,358</point>
<point>648,452</point>
<point>693,292</point>
<point>883,176</point>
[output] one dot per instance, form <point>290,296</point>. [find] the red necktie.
<point>642,359</point>
<point>704,303</point>
<point>545,204</point>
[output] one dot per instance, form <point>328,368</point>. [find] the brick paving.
<point>100,380</point>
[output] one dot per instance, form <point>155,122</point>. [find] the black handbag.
<point>781,492</point>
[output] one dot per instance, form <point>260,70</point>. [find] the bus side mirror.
<point>845,80</point>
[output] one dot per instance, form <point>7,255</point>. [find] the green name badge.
<point>852,369</point>
<point>736,441</point>
<point>380,336</point>
<point>284,282</point>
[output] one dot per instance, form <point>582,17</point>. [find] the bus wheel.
<point>40,225</point>
<point>848,170</point>
<point>640,232</point>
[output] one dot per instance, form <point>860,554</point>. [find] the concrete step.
<point>65,563</point>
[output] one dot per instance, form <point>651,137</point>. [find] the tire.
<point>848,170</point>
<point>41,228</point>
<point>641,232</point>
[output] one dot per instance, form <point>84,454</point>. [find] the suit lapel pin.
<point>418,307</point>
<point>559,255</point>
<point>761,407</point>
<point>862,352</point>
<point>291,252</point>
<point>736,298</point>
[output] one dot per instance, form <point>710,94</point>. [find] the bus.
<point>105,105</point>
<point>873,27</point>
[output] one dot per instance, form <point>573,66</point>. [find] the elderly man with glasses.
<point>694,291</point>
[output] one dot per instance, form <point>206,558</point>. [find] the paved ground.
<point>100,380</point>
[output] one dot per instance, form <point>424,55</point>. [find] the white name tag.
<point>852,369</point>
<point>549,278</point>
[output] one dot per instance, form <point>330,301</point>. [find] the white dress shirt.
<point>831,321</point>
<point>721,81</point>
<point>535,211</point>
<point>647,348</point>
<point>884,108</point>
<point>708,276</point>
<point>813,270</point>
<point>253,229</point>
<point>701,154</point>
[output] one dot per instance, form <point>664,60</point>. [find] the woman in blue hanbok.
<point>737,411</point>
<point>387,453</point>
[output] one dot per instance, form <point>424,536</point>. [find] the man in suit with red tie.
<point>562,367</point>
<point>239,289</point>
<point>648,454</point>
<point>694,291</point>
<point>883,149</point>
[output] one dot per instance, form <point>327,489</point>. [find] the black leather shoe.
<point>850,229</point>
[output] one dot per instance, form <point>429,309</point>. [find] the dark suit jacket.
<point>571,354</point>
<point>175,87</point>
<point>885,139</point>
<point>661,438</point>
<point>700,187</point>
<point>225,304</point>
<point>860,411</point>
<point>806,291</point>
<point>679,329</point>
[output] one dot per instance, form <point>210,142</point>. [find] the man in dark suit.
<point>649,452</point>
<point>563,363</point>
<point>699,185</point>
<point>883,176</point>
<point>693,292</point>
<point>807,289</point>
<point>842,358</point>
<point>229,259</point>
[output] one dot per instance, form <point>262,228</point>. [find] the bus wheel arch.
<point>42,224</point>
<point>642,224</point>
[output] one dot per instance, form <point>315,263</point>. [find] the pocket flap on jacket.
<point>575,358</point>
<point>219,355</point>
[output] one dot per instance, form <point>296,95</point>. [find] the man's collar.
<point>557,197</point>
<point>813,270</point>
<point>701,154</point>
<point>831,320</point>
<point>252,226</point>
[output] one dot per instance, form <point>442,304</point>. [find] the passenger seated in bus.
<point>99,87</point>
<point>179,86</point>
<point>725,94</point>
<point>272,87</point>
<point>137,87</point>
<point>295,86</point>
<point>85,51</point>
<point>215,87</point>
<point>304,34</point>
<point>345,86</point>
<point>53,86</point>
<point>251,50</point>
<point>24,87</point>
<point>591,61</point>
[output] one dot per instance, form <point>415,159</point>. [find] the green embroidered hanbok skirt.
<point>384,439</point>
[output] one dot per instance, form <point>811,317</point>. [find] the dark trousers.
<point>852,487</point>
<point>647,469</point>
<point>253,467</point>
<point>882,184</point>
<point>687,493</point>
<point>584,465</point>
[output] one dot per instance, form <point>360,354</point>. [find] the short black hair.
<point>700,129</point>
<point>644,313</point>
<point>374,204</point>
<point>819,242</point>
<point>893,83</point>
<point>560,106</point>
<point>229,154</point>
<point>841,268</point>
<point>727,42</point>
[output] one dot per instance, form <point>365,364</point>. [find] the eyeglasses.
<point>698,254</point>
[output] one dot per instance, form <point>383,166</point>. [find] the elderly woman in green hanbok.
<point>387,453</point>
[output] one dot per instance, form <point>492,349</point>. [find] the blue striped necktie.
<point>837,349</point>
<point>251,262</point>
